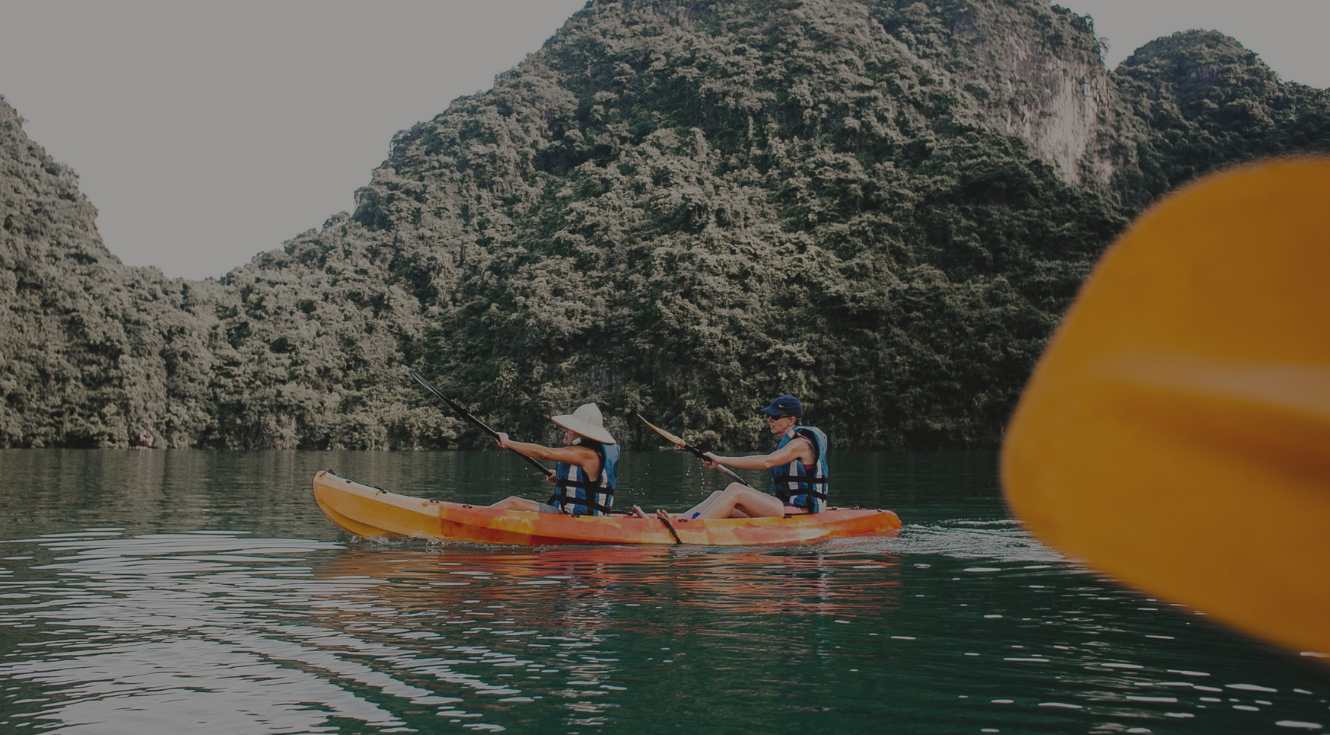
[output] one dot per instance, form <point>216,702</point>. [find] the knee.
<point>736,488</point>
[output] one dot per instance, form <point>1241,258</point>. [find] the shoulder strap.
<point>811,438</point>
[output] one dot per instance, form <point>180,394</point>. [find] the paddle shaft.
<point>477,422</point>
<point>698,452</point>
<point>726,470</point>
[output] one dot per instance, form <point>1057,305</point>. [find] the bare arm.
<point>800,450</point>
<point>583,457</point>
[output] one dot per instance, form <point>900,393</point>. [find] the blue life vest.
<point>583,495</point>
<point>792,484</point>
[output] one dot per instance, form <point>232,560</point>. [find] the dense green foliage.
<point>91,353</point>
<point>1206,102</point>
<point>679,209</point>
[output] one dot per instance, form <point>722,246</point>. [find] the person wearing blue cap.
<point>798,481</point>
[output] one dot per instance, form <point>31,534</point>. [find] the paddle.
<point>1176,432</point>
<point>467,415</point>
<point>685,445</point>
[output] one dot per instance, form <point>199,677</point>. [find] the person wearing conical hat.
<point>585,469</point>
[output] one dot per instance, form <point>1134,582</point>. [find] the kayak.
<point>371,512</point>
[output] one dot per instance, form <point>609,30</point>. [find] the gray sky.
<point>208,132</point>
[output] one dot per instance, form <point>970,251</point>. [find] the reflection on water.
<point>280,624</point>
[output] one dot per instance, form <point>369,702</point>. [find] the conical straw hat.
<point>586,420</point>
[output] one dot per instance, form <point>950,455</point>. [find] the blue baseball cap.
<point>783,406</point>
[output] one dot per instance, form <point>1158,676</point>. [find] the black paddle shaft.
<point>478,423</point>
<point>701,454</point>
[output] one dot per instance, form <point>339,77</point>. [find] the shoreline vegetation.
<point>673,209</point>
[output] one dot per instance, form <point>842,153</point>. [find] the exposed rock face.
<point>1038,73</point>
<point>1064,107</point>
<point>673,208</point>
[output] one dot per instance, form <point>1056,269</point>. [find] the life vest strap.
<point>812,482</point>
<point>561,495</point>
<point>585,485</point>
<point>787,494</point>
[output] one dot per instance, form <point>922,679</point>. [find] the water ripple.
<point>955,626</point>
<point>1004,541</point>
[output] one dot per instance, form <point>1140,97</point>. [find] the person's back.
<point>587,490</point>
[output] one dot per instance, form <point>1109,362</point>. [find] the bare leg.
<point>748,503</point>
<point>515,503</point>
<point>697,510</point>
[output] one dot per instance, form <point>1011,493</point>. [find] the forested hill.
<point>680,209</point>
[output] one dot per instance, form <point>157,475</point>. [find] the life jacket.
<point>585,496</point>
<point>792,484</point>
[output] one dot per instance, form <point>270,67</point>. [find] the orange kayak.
<point>370,512</point>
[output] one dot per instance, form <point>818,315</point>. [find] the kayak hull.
<point>370,512</point>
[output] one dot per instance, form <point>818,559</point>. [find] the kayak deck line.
<point>372,512</point>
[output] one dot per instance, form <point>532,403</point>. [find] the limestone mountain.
<point>92,353</point>
<point>1201,101</point>
<point>673,208</point>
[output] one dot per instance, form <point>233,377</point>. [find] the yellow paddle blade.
<point>668,436</point>
<point>1176,433</point>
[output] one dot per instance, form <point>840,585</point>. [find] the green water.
<point>204,592</point>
